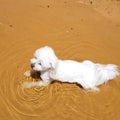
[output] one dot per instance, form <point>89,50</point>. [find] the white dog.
<point>88,74</point>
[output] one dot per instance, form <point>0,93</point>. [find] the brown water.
<point>77,30</point>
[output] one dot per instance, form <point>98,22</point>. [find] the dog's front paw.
<point>33,84</point>
<point>94,89</point>
<point>41,83</point>
<point>28,85</point>
<point>27,73</point>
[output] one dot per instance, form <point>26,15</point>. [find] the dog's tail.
<point>105,73</point>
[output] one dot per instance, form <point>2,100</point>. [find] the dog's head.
<point>44,59</point>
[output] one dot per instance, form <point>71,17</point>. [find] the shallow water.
<point>76,31</point>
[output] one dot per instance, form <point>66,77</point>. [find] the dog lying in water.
<point>88,74</point>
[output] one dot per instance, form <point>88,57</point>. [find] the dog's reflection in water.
<point>35,74</point>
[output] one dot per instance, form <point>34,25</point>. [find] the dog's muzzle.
<point>32,65</point>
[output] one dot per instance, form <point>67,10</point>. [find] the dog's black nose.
<point>32,65</point>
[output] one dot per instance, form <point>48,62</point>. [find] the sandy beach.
<point>77,30</point>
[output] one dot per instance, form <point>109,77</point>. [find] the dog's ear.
<point>49,62</point>
<point>53,62</point>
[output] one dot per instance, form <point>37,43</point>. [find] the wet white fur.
<point>88,74</point>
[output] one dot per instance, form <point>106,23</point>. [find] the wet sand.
<point>77,30</point>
